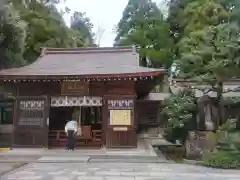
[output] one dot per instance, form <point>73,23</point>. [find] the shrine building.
<point>104,89</point>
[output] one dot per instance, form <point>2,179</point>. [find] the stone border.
<point>193,162</point>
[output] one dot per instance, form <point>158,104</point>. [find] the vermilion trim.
<point>92,76</point>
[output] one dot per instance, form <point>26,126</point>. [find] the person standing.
<point>71,129</point>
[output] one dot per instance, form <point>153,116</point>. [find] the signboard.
<point>120,129</point>
<point>120,117</point>
<point>74,88</point>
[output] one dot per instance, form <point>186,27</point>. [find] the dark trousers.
<point>70,140</point>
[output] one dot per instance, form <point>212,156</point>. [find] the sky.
<point>104,15</point>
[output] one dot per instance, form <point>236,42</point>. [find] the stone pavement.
<point>118,171</point>
<point>6,167</point>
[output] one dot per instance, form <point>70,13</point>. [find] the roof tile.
<point>82,62</point>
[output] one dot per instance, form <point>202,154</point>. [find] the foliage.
<point>81,23</point>
<point>206,42</point>
<point>179,114</point>
<point>211,55</point>
<point>200,14</point>
<point>228,152</point>
<point>224,160</point>
<point>227,127</point>
<point>175,17</point>
<point>27,26</point>
<point>12,37</point>
<point>45,27</point>
<point>186,16</point>
<point>143,24</point>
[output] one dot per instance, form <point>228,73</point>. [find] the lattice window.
<point>31,113</point>
<point>120,104</point>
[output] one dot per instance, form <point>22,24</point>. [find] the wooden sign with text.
<point>75,88</point>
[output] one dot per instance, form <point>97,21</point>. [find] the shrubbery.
<point>223,159</point>
<point>227,155</point>
<point>178,114</point>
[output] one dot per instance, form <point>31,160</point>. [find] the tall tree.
<point>45,27</point>
<point>206,53</point>
<point>12,37</point>
<point>175,20</point>
<point>200,14</point>
<point>28,25</point>
<point>80,22</point>
<point>214,59</point>
<point>186,16</point>
<point>143,24</point>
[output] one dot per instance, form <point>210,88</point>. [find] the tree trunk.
<point>144,61</point>
<point>219,104</point>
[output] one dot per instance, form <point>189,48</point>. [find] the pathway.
<point>118,171</point>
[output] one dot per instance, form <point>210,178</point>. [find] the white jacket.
<point>71,125</point>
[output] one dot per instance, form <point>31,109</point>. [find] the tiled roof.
<point>84,62</point>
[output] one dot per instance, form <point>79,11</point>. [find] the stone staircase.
<point>152,133</point>
<point>154,136</point>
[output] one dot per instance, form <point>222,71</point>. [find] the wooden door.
<point>30,122</point>
<point>120,126</point>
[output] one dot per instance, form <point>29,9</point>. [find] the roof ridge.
<point>49,50</point>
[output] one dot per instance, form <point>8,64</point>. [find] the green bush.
<point>178,115</point>
<point>221,159</point>
<point>227,155</point>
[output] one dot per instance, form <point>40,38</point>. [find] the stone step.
<point>63,159</point>
<point>101,159</point>
<point>128,160</point>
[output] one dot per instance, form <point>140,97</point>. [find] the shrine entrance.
<point>86,111</point>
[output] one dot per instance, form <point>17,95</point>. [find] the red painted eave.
<point>92,76</point>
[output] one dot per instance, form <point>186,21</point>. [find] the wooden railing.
<point>57,138</point>
<point>88,137</point>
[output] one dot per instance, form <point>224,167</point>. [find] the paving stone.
<point>161,174</point>
<point>224,175</point>
<point>93,169</point>
<point>108,173</point>
<point>118,171</point>
<point>161,169</point>
<point>25,178</point>
<point>191,175</point>
<point>149,178</point>
<point>28,173</point>
<point>123,170</point>
<point>135,173</point>
<point>67,159</point>
<point>61,178</point>
<point>79,173</point>
<point>56,173</point>
<point>91,178</point>
<point>119,178</point>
